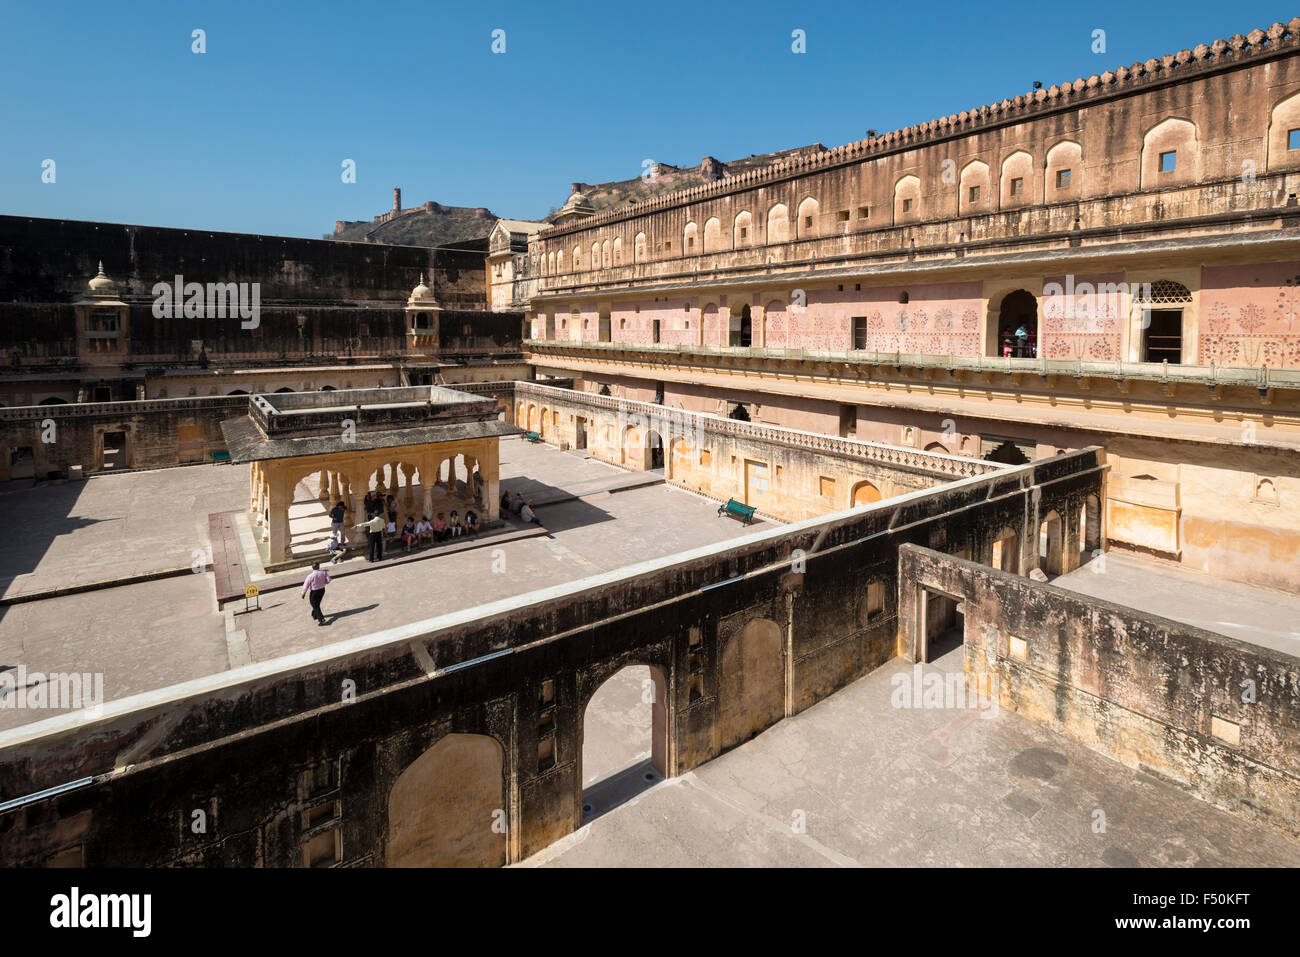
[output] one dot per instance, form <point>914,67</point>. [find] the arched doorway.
<point>751,694</point>
<point>864,493</point>
<point>1008,453</point>
<point>936,447</point>
<point>447,809</point>
<point>739,413</point>
<point>1019,311</point>
<point>285,389</point>
<point>656,451</point>
<point>236,392</point>
<point>1089,529</point>
<point>742,328</point>
<point>623,741</point>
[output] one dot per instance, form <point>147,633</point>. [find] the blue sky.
<point>250,136</point>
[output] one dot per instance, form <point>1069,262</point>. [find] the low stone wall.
<point>1219,717</point>
<point>157,432</point>
<point>785,473</point>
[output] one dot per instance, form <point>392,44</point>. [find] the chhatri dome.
<point>421,293</point>
<point>101,286</point>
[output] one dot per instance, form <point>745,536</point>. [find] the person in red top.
<point>315,584</point>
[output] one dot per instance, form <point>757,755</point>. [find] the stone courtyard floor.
<point>1259,616</point>
<point>875,785</point>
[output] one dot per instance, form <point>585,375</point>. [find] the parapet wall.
<point>1219,717</point>
<point>785,473</point>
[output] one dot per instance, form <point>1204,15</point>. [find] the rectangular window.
<point>859,332</point>
<point>807,222</point>
<point>974,194</point>
<point>844,215</point>
<point>875,600</point>
<point>744,232</point>
<point>654,331</point>
<point>907,205</point>
<point>863,212</point>
<point>1017,186</point>
<point>690,243</point>
<point>1169,161</point>
<point>1062,179</point>
<point>1293,139</point>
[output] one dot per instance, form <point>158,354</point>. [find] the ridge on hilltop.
<point>433,224</point>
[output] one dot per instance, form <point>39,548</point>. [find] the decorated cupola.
<point>101,317</point>
<point>422,317</point>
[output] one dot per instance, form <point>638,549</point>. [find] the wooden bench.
<point>532,437</point>
<point>739,509</point>
<point>222,456</point>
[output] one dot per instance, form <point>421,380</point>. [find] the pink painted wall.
<point>1085,324</point>
<point>1250,315</point>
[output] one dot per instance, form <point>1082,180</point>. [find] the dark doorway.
<point>656,451</point>
<point>1008,453</point>
<point>103,393</point>
<point>944,624</point>
<point>654,331</point>
<point>580,433</point>
<point>742,328</point>
<point>22,463</point>
<point>739,413</point>
<point>1019,314</point>
<point>1163,341</point>
<point>114,456</point>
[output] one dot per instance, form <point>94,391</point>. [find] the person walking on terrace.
<point>315,584</point>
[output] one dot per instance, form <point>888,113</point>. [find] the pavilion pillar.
<point>491,470</point>
<point>278,502</point>
<point>322,485</point>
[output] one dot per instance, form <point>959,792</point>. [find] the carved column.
<point>279,498</point>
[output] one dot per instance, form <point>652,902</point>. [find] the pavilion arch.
<point>1064,172</point>
<point>691,239</point>
<point>713,235</point>
<point>442,807</point>
<point>639,248</point>
<point>907,200</point>
<point>778,224</point>
<point>751,679</point>
<point>742,230</point>
<point>864,493</point>
<point>618,250</point>
<point>1051,550</point>
<point>1285,116</point>
<point>974,176</point>
<point>1172,135</point>
<point>1017,166</point>
<point>806,225</point>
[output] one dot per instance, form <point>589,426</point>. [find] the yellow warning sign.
<point>250,591</point>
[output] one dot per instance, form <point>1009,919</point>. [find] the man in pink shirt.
<point>315,584</point>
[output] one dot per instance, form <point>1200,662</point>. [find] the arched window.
<point>1017,179</point>
<point>778,224</point>
<point>742,230</point>
<point>1171,155</point>
<point>639,248</point>
<point>691,239</point>
<point>806,224</point>
<point>907,200</point>
<point>973,189</point>
<point>1064,168</point>
<point>713,235</point>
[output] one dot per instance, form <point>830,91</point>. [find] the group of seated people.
<point>414,534</point>
<point>519,505</point>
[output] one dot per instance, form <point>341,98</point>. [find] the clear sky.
<point>250,135</point>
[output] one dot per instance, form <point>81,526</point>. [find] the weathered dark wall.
<point>241,746</point>
<point>1144,690</point>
